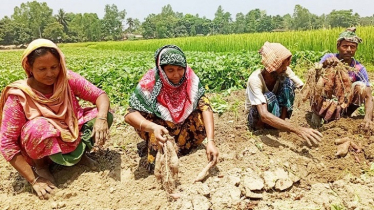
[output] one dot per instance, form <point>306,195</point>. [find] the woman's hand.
<point>159,132</point>
<point>43,188</point>
<point>212,152</point>
<point>100,131</point>
<point>310,135</point>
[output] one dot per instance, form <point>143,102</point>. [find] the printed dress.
<point>38,138</point>
<point>187,135</point>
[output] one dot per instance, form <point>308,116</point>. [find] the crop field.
<point>222,62</point>
<point>118,72</point>
<point>314,40</point>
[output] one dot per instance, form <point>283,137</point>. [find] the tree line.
<point>35,19</point>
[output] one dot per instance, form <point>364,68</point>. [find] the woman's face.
<point>174,73</point>
<point>46,69</point>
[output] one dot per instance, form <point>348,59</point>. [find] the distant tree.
<point>342,18</point>
<point>278,22</point>
<point>12,32</point>
<point>92,27</point>
<point>287,22</point>
<point>301,18</point>
<point>149,26</point>
<point>221,22</point>
<point>35,16</point>
<point>202,25</point>
<point>84,27</point>
<point>181,31</point>
<point>252,19</point>
<point>366,21</point>
<point>317,22</point>
<point>112,27</point>
<point>265,23</point>
<point>167,11</point>
<point>166,22</point>
<point>62,19</point>
<point>55,32</point>
<point>137,29</point>
<point>130,23</point>
<point>239,23</point>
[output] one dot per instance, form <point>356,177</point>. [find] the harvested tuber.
<point>342,140</point>
<point>338,112</point>
<point>343,149</point>
<point>325,105</point>
<point>166,164</point>
<point>201,176</point>
<point>329,82</point>
<point>330,111</point>
<point>356,147</point>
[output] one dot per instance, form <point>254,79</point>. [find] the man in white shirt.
<point>270,93</point>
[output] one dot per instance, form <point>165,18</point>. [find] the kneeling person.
<point>270,93</point>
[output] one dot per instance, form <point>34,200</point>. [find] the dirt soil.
<point>323,181</point>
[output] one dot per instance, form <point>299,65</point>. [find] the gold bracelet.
<point>206,141</point>
<point>34,182</point>
<point>101,118</point>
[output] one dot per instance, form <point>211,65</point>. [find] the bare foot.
<point>42,170</point>
<point>87,161</point>
<point>45,173</point>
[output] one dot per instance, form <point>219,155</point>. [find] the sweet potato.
<point>329,82</point>
<point>174,161</point>
<point>355,147</point>
<point>204,172</point>
<point>347,83</point>
<point>166,168</point>
<point>339,89</point>
<point>317,104</point>
<point>342,140</point>
<point>158,163</point>
<point>325,105</point>
<point>319,87</point>
<point>342,149</point>
<point>330,111</point>
<point>338,112</point>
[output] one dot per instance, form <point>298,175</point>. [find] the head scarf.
<point>273,55</point>
<point>155,94</point>
<point>350,36</point>
<point>58,108</point>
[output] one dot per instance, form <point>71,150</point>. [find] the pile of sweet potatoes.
<point>329,90</point>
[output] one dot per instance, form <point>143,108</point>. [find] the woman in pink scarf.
<point>41,119</point>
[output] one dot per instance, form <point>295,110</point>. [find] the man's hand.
<point>310,135</point>
<point>331,61</point>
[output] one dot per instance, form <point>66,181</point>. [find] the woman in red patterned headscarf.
<point>169,99</point>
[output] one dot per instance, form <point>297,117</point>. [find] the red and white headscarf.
<point>155,94</point>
